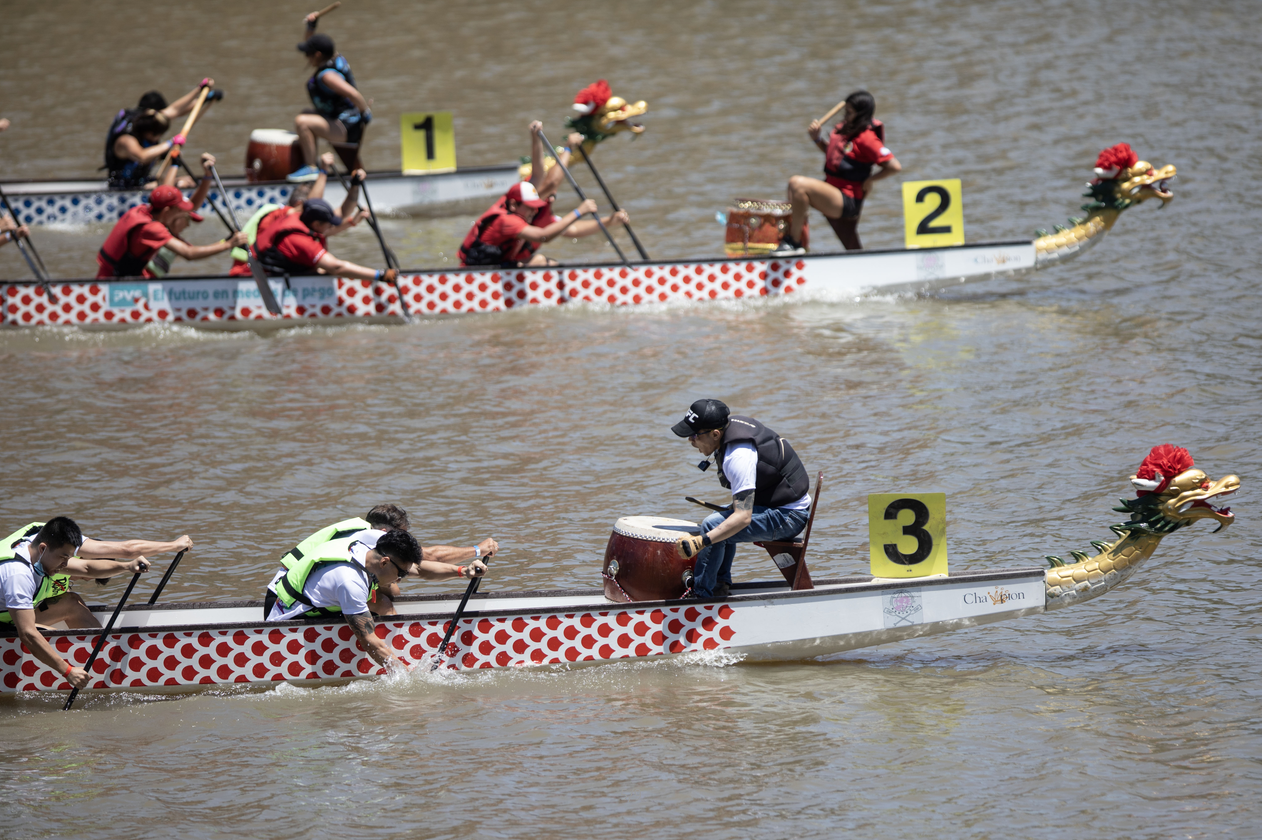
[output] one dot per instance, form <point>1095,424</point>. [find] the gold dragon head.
<point>1173,493</point>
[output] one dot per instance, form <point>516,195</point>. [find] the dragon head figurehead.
<point>1171,493</point>
<point>1122,180</point>
<point>600,114</point>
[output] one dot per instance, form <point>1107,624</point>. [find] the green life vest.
<point>251,230</point>
<point>329,552</point>
<point>50,586</point>
<point>337,531</point>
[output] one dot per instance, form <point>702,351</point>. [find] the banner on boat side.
<point>429,142</point>
<point>933,213</point>
<point>907,534</point>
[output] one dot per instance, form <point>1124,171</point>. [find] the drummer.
<point>769,488</point>
<point>340,113</point>
<point>856,144</point>
<point>36,565</point>
<point>147,237</point>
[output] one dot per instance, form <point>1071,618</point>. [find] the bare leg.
<point>805,193</point>
<point>312,126</point>
<point>538,260</point>
<point>847,231</point>
<point>69,608</point>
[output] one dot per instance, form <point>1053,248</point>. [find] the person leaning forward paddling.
<point>769,487</point>
<point>290,244</point>
<point>37,563</point>
<point>438,562</point>
<point>146,238</point>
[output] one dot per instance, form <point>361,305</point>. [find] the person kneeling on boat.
<point>438,562</point>
<point>856,144</point>
<point>37,563</point>
<point>290,244</point>
<point>508,234</point>
<point>338,578</point>
<point>769,487</point>
<point>147,237</point>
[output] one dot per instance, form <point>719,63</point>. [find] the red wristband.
<point>69,668</point>
<point>460,571</point>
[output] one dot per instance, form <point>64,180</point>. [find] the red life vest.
<point>841,165</point>
<point>477,249</point>
<point>273,229</point>
<point>116,253</point>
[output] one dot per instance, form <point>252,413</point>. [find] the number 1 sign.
<point>907,532</point>
<point>429,142</point>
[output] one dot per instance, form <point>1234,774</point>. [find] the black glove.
<point>214,95</point>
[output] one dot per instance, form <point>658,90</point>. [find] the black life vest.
<point>781,478</point>
<point>125,174</point>
<point>329,104</point>
<point>846,167</point>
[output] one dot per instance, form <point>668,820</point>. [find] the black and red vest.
<point>839,165</point>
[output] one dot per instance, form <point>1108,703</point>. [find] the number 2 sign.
<point>907,532</point>
<point>933,213</point>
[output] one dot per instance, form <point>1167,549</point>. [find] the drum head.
<point>273,136</point>
<point>655,528</point>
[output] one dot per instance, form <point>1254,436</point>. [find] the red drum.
<point>271,155</point>
<point>641,563</point>
<point>755,227</point>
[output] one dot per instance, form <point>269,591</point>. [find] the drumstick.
<point>325,11</point>
<point>835,109</point>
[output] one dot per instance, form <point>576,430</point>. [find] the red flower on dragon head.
<point>1115,160</point>
<point>1163,463</point>
<point>592,98</point>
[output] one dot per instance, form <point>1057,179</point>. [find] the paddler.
<point>297,197</point>
<point>146,238</point>
<point>508,234</point>
<point>438,562</point>
<point>36,565</point>
<point>295,244</point>
<point>856,144</point>
<point>340,113</point>
<point>769,488</point>
<point>338,578</point>
<point>11,230</point>
<point>134,140</point>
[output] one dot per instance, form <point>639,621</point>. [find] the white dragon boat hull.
<point>234,302</point>
<point>175,647</point>
<point>85,202</point>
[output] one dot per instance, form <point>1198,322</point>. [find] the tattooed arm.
<point>362,626</point>
<point>742,513</point>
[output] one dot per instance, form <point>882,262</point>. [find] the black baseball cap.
<point>319,210</point>
<point>702,416</point>
<point>317,43</point>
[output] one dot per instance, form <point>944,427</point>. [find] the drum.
<point>641,563</point>
<point>755,227</point>
<point>271,155</point>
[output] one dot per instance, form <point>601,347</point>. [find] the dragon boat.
<point>235,303</point>
<point>80,202</point>
<point>171,647</point>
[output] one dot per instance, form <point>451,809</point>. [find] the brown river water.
<point>1027,400</point>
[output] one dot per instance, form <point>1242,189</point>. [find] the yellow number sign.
<point>933,213</point>
<point>907,532</point>
<point>429,142</point>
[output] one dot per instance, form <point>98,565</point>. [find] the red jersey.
<point>849,160</point>
<point>287,246</point>
<point>136,237</point>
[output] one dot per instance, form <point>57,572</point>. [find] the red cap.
<point>168,196</point>
<point>525,193</point>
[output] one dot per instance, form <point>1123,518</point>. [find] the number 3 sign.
<point>933,213</point>
<point>907,532</point>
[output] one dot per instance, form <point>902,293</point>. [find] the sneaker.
<point>786,248</point>
<point>307,173</point>
<point>722,590</point>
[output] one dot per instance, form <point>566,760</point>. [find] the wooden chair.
<point>790,555</point>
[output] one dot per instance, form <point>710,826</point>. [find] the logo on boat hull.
<point>902,609</point>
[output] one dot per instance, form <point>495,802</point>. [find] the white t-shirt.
<point>341,585</point>
<point>19,581</point>
<point>740,467</point>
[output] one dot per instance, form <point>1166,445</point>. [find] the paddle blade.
<point>265,288</point>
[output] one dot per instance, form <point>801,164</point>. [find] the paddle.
<point>100,642</point>
<point>455,619</point>
<point>391,262</point>
<point>188,126</point>
<point>162,583</point>
<point>256,268</point>
<point>612,203</point>
<point>36,264</point>
<point>179,161</point>
<point>582,197</point>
